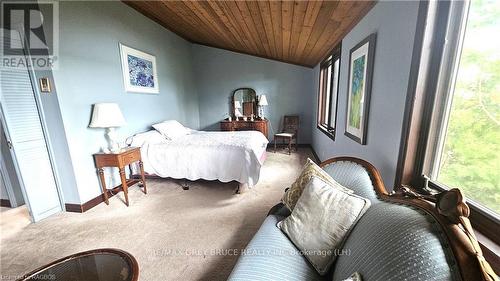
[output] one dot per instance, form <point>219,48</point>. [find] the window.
<point>468,141</point>
<point>451,132</point>
<point>328,93</point>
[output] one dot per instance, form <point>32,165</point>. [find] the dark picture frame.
<point>361,60</point>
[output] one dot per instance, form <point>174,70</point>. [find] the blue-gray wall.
<point>288,87</point>
<point>395,24</point>
<point>196,83</point>
<point>90,72</point>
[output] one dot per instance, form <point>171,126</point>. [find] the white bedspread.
<point>223,156</point>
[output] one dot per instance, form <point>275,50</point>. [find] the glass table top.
<point>91,266</point>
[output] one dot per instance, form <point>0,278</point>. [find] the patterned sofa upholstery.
<point>390,242</point>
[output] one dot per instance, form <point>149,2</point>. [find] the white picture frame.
<point>139,71</point>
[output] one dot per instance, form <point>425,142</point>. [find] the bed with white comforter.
<point>224,156</point>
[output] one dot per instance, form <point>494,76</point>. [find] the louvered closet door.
<point>24,129</point>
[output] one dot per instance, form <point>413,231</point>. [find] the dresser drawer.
<point>106,161</point>
<point>226,126</point>
<point>244,127</point>
<point>131,157</point>
<point>239,125</point>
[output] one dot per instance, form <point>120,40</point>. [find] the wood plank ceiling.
<point>298,32</point>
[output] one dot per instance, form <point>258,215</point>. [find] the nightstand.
<point>120,159</point>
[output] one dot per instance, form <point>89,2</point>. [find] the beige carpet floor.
<point>173,234</point>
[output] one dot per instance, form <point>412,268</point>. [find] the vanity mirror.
<point>244,103</point>
<point>244,110</point>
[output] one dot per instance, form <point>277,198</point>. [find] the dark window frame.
<point>327,127</point>
<point>428,90</point>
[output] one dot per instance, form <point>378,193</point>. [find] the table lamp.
<point>108,116</point>
<point>262,103</point>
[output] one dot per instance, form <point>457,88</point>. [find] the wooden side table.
<point>120,159</point>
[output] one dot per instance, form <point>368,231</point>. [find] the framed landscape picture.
<point>359,90</point>
<point>139,71</point>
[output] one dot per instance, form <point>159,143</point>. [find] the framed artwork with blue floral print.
<point>139,71</point>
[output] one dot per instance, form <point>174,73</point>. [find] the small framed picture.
<point>45,85</point>
<point>360,82</point>
<point>139,71</point>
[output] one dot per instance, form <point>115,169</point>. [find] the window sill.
<point>481,220</point>
<point>330,134</point>
<point>491,251</point>
<point>486,227</point>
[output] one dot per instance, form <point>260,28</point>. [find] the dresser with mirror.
<point>244,116</point>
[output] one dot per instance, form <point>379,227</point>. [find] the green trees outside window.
<point>470,157</point>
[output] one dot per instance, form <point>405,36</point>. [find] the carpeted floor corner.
<point>173,234</point>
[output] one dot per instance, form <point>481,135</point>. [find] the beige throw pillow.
<point>321,220</point>
<point>310,170</point>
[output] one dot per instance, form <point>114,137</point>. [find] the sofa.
<point>390,242</point>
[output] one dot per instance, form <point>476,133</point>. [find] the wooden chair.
<point>289,132</point>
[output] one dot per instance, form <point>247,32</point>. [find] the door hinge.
<point>9,144</point>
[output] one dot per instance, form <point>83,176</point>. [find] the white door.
<point>23,127</point>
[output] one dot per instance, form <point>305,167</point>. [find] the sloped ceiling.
<point>298,32</point>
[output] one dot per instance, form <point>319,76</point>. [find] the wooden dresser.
<point>240,125</point>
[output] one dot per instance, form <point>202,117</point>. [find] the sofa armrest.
<point>279,210</point>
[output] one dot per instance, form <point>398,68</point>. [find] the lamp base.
<point>111,136</point>
<point>261,112</point>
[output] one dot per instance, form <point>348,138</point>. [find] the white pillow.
<point>321,220</point>
<point>139,139</point>
<point>171,129</point>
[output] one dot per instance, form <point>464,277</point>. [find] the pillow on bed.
<point>139,139</point>
<point>171,129</point>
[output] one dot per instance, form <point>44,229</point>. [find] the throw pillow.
<point>321,220</point>
<point>309,170</point>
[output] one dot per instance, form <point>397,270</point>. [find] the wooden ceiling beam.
<point>265,15</point>
<point>310,18</point>
<point>210,22</point>
<point>235,15</point>
<point>319,27</point>
<point>254,11</point>
<point>299,12</point>
<point>287,20</point>
<point>247,20</point>
<point>275,7</point>
<point>224,15</point>
<point>189,20</point>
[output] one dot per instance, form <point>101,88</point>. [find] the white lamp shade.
<point>106,115</point>
<point>263,100</point>
<point>237,104</point>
